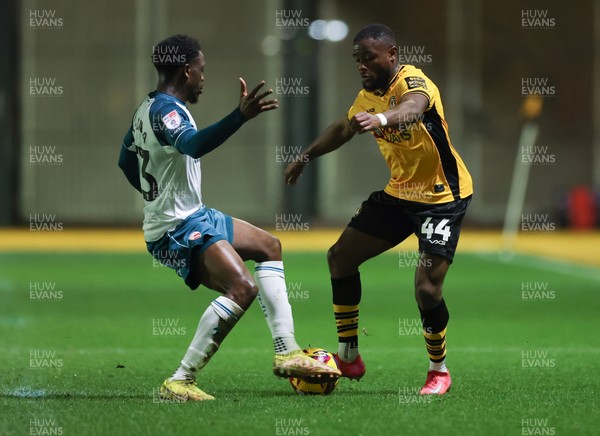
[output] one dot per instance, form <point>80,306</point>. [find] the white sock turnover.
<point>438,366</point>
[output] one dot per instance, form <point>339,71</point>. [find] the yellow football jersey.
<point>424,165</point>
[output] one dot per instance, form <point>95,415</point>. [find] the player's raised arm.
<point>198,143</point>
<point>332,138</point>
<point>411,106</point>
<point>179,132</point>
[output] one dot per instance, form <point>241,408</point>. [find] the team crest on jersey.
<point>194,236</point>
<point>172,120</point>
<point>393,102</point>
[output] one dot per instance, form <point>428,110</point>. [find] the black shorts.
<point>436,225</point>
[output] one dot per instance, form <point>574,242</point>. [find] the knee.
<point>428,294</point>
<point>270,248</point>
<point>427,289</point>
<point>338,267</point>
<point>274,247</point>
<point>243,292</point>
<point>333,256</point>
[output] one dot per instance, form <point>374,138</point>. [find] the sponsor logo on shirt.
<point>415,82</point>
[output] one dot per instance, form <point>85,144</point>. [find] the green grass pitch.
<point>88,338</point>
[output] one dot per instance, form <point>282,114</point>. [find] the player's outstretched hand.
<point>364,122</point>
<point>253,104</point>
<point>293,171</point>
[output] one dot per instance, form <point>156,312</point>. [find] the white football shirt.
<point>171,181</point>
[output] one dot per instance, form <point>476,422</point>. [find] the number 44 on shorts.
<point>441,229</point>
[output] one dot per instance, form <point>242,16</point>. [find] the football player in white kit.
<point>160,157</point>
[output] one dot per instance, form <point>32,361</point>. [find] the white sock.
<point>216,322</point>
<point>347,352</point>
<point>438,366</point>
<point>273,299</point>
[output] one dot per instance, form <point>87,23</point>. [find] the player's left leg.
<point>218,267</point>
<point>438,229</point>
<point>253,243</point>
<point>429,278</point>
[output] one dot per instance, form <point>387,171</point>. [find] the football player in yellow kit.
<point>427,194</point>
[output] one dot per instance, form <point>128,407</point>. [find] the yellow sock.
<point>346,320</point>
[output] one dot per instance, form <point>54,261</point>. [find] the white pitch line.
<point>544,264</point>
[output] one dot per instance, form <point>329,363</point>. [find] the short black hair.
<point>174,52</point>
<point>376,31</point>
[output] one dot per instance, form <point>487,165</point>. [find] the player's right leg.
<point>352,249</point>
<point>375,228</point>
<point>219,268</point>
<point>253,243</point>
